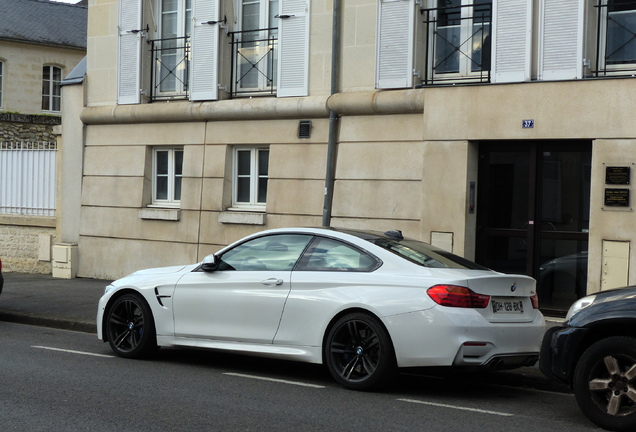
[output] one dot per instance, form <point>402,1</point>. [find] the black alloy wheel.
<point>359,353</point>
<point>130,327</point>
<point>605,383</point>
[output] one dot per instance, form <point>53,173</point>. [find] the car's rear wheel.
<point>605,383</point>
<point>359,353</point>
<point>130,327</point>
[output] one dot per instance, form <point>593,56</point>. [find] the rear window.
<point>425,255</point>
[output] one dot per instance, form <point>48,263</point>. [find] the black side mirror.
<point>209,264</point>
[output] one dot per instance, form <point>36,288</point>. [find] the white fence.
<point>27,178</point>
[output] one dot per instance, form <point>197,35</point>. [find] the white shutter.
<point>394,47</point>
<point>204,51</point>
<point>129,54</point>
<point>293,48</point>
<point>561,39</point>
<point>512,40</point>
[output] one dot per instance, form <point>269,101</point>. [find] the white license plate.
<point>506,306</point>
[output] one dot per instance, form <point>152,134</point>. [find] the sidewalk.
<point>68,304</point>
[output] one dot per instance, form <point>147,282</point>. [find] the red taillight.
<point>535,301</point>
<point>0,264</point>
<point>456,296</point>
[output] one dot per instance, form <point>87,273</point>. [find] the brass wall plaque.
<point>617,197</point>
<point>617,175</point>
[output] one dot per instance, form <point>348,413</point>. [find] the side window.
<point>51,90</point>
<point>269,253</point>
<point>167,170</point>
<point>251,165</point>
<point>332,255</point>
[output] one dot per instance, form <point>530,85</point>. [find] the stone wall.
<point>27,127</point>
<point>25,242</point>
<point>26,249</point>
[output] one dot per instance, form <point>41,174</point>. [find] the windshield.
<point>424,254</point>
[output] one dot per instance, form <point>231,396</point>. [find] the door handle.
<point>272,281</point>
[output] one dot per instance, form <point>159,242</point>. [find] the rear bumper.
<point>559,352</point>
<point>464,338</point>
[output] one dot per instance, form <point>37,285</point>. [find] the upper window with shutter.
<point>181,56</point>
<point>270,49</point>
<point>181,40</point>
<point>483,41</point>
<point>437,41</point>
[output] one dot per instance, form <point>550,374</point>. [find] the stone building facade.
<point>40,43</point>
<point>479,126</point>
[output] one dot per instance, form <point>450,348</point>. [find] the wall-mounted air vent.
<point>304,129</point>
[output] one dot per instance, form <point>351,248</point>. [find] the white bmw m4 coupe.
<point>363,303</point>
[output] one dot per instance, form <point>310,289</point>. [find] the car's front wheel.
<point>130,327</point>
<point>359,352</point>
<point>605,383</point>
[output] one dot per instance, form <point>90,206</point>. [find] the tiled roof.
<point>43,22</point>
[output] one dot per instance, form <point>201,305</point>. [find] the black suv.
<point>594,352</point>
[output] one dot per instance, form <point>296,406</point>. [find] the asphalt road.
<point>55,380</point>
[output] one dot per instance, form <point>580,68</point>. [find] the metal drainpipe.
<point>332,144</point>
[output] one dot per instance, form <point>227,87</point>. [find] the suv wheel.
<point>605,383</point>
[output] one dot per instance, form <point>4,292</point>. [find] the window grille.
<point>254,59</point>
<point>170,68</point>
<point>459,48</point>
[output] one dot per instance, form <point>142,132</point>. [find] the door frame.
<point>532,233</point>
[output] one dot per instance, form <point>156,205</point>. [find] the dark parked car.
<point>1,277</point>
<point>595,353</point>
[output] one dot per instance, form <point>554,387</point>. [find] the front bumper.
<point>559,352</point>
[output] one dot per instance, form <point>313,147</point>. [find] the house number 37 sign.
<point>527,124</point>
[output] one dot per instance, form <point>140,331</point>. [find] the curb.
<point>50,322</point>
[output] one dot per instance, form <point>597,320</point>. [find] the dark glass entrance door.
<point>533,215</point>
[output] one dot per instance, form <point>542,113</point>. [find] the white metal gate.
<point>28,178</point>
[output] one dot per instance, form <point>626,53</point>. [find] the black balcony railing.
<point>459,48</point>
<point>254,58</point>
<point>616,37</point>
<point>169,68</point>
